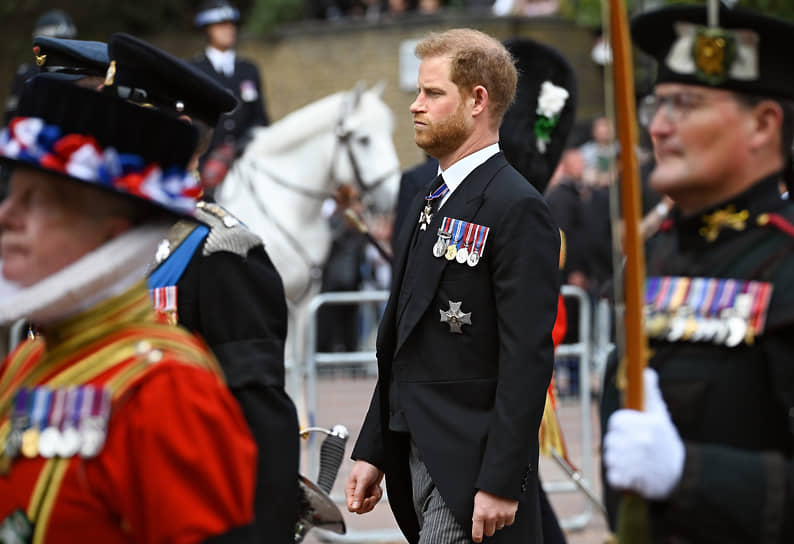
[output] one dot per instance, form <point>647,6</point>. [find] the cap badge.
<point>40,60</point>
<point>714,53</point>
<point>110,76</point>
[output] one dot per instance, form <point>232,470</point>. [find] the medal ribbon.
<point>728,295</point>
<point>438,193</point>
<point>41,406</point>
<point>88,402</point>
<point>467,237</point>
<point>697,291</point>
<point>481,237</point>
<point>714,310</point>
<point>58,403</point>
<point>459,233</point>
<point>651,289</point>
<point>708,300</point>
<point>760,307</point>
<point>74,399</point>
<point>681,287</point>
<point>664,291</point>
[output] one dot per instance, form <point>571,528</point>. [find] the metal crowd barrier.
<point>584,351</point>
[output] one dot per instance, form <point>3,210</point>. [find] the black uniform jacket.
<point>236,303</point>
<point>733,406</point>
<point>472,401</point>
<point>246,85</point>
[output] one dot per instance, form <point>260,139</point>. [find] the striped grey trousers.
<point>437,525</point>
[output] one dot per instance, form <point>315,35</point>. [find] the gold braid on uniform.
<point>227,233</point>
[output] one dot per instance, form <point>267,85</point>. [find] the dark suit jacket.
<point>473,401</point>
<point>251,110</point>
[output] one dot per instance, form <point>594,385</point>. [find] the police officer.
<point>55,23</point>
<point>219,19</point>
<point>713,450</point>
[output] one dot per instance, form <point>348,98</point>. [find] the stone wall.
<point>304,62</point>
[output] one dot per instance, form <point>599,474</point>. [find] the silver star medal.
<point>455,318</point>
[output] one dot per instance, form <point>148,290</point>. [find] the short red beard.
<point>445,136</point>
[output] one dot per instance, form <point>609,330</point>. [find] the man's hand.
<point>363,487</point>
<point>491,513</point>
<point>642,450</point>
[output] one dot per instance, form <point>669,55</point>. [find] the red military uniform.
<point>178,462</point>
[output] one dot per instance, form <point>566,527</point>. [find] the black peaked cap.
<point>145,74</point>
<point>77,57</point>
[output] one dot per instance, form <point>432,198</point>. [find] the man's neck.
<point>220,49</point>
<point>473,144</point>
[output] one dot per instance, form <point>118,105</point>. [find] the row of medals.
<point>68,438</point>
<point>443,248</point>
<point>729,329</point>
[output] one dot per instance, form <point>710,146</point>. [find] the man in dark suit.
<point>219,19</point>
<point>464,348</point>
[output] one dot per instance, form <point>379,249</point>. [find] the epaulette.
<point>227,233</point>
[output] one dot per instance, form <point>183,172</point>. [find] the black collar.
<point>727,220</point>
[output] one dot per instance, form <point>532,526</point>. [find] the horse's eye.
<point>363,140</point>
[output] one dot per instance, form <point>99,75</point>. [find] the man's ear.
<point>480,97</point>
<point>768,125</point>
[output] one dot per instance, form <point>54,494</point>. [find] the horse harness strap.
<point>314,268</point>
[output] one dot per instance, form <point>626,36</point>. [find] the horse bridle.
<point>343,139</point>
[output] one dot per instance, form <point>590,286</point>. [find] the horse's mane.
<point>300,125</point>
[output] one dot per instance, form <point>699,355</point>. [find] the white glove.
<point>642,450</point>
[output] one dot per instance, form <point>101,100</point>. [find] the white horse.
<point>279,184</point>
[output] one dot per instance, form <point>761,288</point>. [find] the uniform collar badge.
<point>725,218</point>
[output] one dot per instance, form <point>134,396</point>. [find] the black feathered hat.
<point>535,128</point>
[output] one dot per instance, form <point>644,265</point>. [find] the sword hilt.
<point>332,451</point>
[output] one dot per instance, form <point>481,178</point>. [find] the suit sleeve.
<point>243,316</point>
<point>727,494</point>
<point>523,261</point>
<point>369,445</point>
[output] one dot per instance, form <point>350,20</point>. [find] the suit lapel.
<point>399,261</point>
<point>463,204</point>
